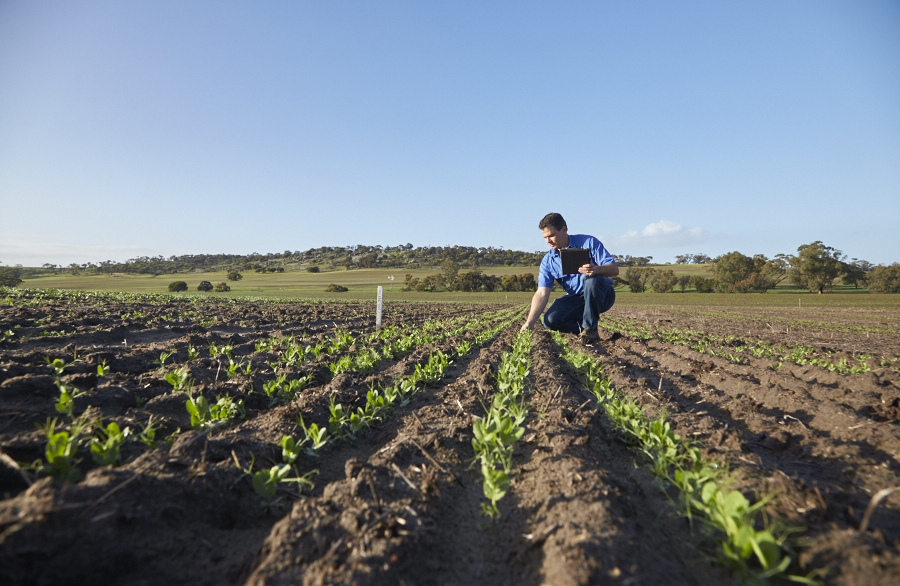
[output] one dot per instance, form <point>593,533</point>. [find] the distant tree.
<point>470,281</point>
<point>205,286</point>
<point>816,266</point>
<point>523,282</point>
<point>527,282</point>
<point>234,276</point>
<point>854,272</point>
<point>176,286</point>
<point>449,273</point>
<point>664,281</point>
<point>700,259</point>
<point>733,272</point>
<point>222,287</point>
<point>336,288</point>
<point>429,283</point>
<point>475,280</point>
<point>703,284</point>
<point>368,260</point>
<point>683,259</point>
<point>884,279</point>
<point>638,278</point>
<point>312,269</point>
<point>409,283</point>
<point>10,276</point>
<point>633,261</point>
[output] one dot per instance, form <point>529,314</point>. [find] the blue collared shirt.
<point>551,265</point>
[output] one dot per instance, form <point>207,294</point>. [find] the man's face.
<point>556,239</point>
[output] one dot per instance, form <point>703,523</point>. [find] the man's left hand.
<point>589,269</point>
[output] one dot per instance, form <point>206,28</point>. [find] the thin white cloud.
<point>663,234</point>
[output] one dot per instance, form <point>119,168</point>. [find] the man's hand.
<point>588,269</point>
<point>607,270</point>
<point>538,303</point>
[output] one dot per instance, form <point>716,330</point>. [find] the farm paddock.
<point>804,414</point>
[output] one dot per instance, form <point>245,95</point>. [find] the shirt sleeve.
<point>545,274</point>
<point>599,254</point>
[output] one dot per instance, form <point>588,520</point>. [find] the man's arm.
<point>538,303</point>
<point>607,270</point>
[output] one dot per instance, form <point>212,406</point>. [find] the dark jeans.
<point>573,313</point>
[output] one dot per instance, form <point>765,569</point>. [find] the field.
<point>705,439</point>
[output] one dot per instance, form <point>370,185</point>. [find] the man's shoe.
<point>588,336</point>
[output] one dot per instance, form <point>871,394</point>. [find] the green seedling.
<point>318,436</point>
<point>57,364</point>
<point>343,364</point>
<point>204,415</point>
<point>233,367</point>
<point>180,379</point>
<point>6,336</point>
<point>105,445</point>
<point>290,449</point>
<point>163,356</point>
<point>223,350</point>
<point>265,482</point>
<point>283,391</point>
<point>148,435</point>
<point>496,483</point>
<point>102,368</point>
<point>193,353</point>
<point>60,452</point>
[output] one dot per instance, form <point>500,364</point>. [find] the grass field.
<point>362,285</point>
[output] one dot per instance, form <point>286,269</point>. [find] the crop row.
<point>345,423</point>
<point>740,350</point>
<point>702,487</point>
<point>495,434</point>
<point>104,440</point>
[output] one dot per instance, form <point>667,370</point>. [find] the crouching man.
<point>589,292</point>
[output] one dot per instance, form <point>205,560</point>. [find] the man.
<point>589,293</point>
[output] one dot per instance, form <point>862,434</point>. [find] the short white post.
<point>380,303</point>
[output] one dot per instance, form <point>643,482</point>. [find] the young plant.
<point>204,415</point>
<point>318,436</point>
<point>265,483</point>
<point>283,391</point>
<point>60,452</point>
<point>290,449</point>
<point>66,402</point>
<point>180,379</point>
<point>163,356</point>
<point>102,368</point>
<point>148,435</point>
<point>193,353</point>
<point>105,445</point>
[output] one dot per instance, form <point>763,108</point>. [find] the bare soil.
<point>401,504</point>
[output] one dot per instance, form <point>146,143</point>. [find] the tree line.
<point>451,279</point>
<point>816,267</point>
<point>334,257</point>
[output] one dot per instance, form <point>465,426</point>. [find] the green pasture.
<point>362,285</point>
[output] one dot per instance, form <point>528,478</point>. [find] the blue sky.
<point>176,127</point>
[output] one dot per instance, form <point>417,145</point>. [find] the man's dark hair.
<point>554,220</point>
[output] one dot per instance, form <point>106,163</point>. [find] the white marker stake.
<point>379,305</point>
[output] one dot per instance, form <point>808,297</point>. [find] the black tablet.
<point>573,259</point>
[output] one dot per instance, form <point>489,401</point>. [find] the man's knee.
<point>552,321</point>
<point>601,292</point>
